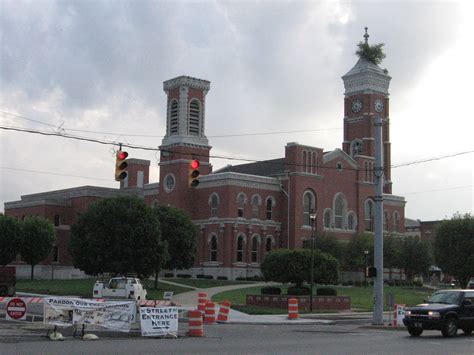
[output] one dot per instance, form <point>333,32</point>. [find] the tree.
<point>391,252</point>
<point>415,256</point>
<point>9,239</point>
<point>179,232</point>
<point>36,240</point>
<point>354,253</point>
<point>294,266</point>
<point>454,247</point>
<point>373,53</point>
<point>119,236</point>
<point>326,243</point>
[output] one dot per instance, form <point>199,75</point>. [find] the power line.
<point>50,173</point>
<point>445,189</point>
<point>432,159</point>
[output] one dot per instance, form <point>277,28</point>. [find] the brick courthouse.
<point>250,209</point>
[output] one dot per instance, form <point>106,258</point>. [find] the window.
<point>255,203</point>
<point>240,249</point>
<point>339,166</point>
<point>57,220</point>
<point>55,254</point>
<point>309,205</point>
<point>304,161</point>
<point>351,222</point>
<point>356,147</point>
<point>169,183</point>
<point>240,205</point>
<point>385,220</point>
<point>213,248</point>
<point>327,219</point>
<point>155,204</point>
<point>194,118</point>
<point>174,117</point>
<point>255,249</point>
<point>396,222</point>
<point>339,211</point>
<point>214,205</point>
<point>269,208</point>
<point>369,215</point>
<point>268,245</point>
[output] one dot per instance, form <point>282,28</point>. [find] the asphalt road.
<point>248,339</point>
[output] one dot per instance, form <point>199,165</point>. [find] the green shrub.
<point>208,277</point>
<point>299,291</point>
<point>222,278</point>
<point>200,276</point>
<point>271,291</point>
<point>326,291</point>
<point>240,279</point>
<point>184,276</point>
<point>169,274</point>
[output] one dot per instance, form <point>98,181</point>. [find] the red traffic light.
<point>194,164</point>
<point>122,155</point>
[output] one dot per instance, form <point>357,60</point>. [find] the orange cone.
<point>195,324</point>
<point>293,308</point>
<point>210,314</point>
<point>202,299</point>
<point>224,310</point>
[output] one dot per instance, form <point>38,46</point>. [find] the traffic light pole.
<point>378,243</point>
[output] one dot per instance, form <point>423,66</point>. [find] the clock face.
<point>378,105</point>
<point>356,105</point>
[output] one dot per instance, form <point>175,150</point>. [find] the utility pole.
<point>378,243</point>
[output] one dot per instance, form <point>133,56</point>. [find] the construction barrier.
<point>398,315</point>
<point>202,299</point>
<point>224,310</point>
<point>195,324</point>
<point>293,308</point>
<point>210,313</point>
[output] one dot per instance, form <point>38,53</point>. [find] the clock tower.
<point>365,98</point>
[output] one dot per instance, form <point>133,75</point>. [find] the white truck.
<point>120,287</point>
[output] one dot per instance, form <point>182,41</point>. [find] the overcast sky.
<point>273,66</point>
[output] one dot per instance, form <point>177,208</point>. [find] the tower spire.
<point>366,36</point>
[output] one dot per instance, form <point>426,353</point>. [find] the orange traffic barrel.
<point>293,308</point>
<point>195,324</point>
<point>210,313</point>
<point>224,310</point>
<point>202,299</point>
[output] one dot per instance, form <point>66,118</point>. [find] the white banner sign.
<point>158,321</point>
<point>115,315</point>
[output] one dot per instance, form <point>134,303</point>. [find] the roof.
<point>412,223</point>
<point>363,65</point>
<point>262,168</point>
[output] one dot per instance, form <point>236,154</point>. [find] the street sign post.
<point>16,309</point>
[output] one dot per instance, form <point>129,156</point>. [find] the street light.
<point>312,218</point>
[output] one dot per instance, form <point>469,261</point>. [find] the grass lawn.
<point>203,283</point>
<point>84,287</point>
<point>361,297</point>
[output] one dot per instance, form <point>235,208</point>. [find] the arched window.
<point>269,208</point>
<point>240,204</point>
<point>385,220</point>
<point>268,244</point>
<point>240,249</point>
<point>194,118</point>
<point>255,203</point>
<point>214,205</point>
<point>356,147</point>
<point>304,161</point>
<point>57,220</point>
<point>155,204</point>
<point>174,117</point>
<point>396,222</point>
<point>351,221</point>
<point>213,248</point>
<point>255,249</point>
<point>327,219</point>
<point>369,215</point>
<point>309,205</point>
<point>340,211</point>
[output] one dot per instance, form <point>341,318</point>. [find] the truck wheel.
<point>450,328</point>
<point>415,331</point>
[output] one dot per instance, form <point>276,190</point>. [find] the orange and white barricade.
<point>210,313</point>
<point>398,315</point>
<point>293,308</point>
<point>195,326</point>
<point>202,299</point>
<point>224,310</point>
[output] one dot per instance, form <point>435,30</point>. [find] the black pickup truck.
<point>445,310</point>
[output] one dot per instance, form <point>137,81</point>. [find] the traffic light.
<point>193,173</point>
<point>371,271</point>
<point>120,165</point>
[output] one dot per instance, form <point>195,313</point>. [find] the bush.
<point>208,277</point>
<point>271,290</point>
<point>200,276</point>
<point>169,274</point>
<point>365,283</point>
<point>326,291</point>
<point>357,283</point>
<point>254,278</point>
<point>222,278</point>
<point>240,279</point>
<point>184,276</point>
<point>299,291</point>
